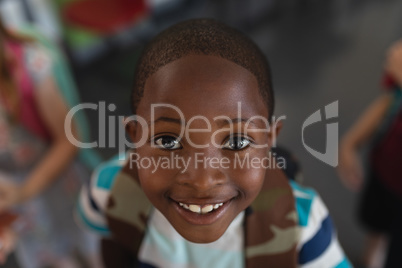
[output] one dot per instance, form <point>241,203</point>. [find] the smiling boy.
<point>209,215</point>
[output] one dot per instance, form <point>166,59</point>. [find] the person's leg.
<point>374,250</point>
<point>376,214</point>
<point>394,256</point>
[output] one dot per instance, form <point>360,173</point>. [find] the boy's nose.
<point>204,172</point>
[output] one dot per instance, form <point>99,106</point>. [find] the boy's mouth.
<point>202,214</point>
<point>204,209</point>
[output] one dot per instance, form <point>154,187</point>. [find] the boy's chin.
<point>201,236</point>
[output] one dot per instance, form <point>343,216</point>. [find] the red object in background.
<point>386,157</point>
<point>388,81</point>
<point>6,219</point>
<point>104,16</point>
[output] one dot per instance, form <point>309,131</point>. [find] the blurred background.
<point>320,52</point>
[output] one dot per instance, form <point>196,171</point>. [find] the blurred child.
<point>381,205</point>
<point>38,170</point>
<point>201,187</point>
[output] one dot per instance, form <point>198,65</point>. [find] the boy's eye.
<point>236,143</point>
<point>167,142</point>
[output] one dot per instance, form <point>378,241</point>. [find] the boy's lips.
<point>203,212</point>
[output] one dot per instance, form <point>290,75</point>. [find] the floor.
<point>320,52</point>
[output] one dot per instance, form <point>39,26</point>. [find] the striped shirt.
<point>162,246</point>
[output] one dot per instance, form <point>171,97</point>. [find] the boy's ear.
<point>276,127</point>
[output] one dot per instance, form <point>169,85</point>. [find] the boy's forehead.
<point>203,85</point>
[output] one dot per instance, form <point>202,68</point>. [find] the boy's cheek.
<point>250,181</point>
<point>154,187</point>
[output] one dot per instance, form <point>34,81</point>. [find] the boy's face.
<point>202,186</point>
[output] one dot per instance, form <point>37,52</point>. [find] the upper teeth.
<point>201,210</point>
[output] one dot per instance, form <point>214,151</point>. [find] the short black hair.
<point>203,37</point>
